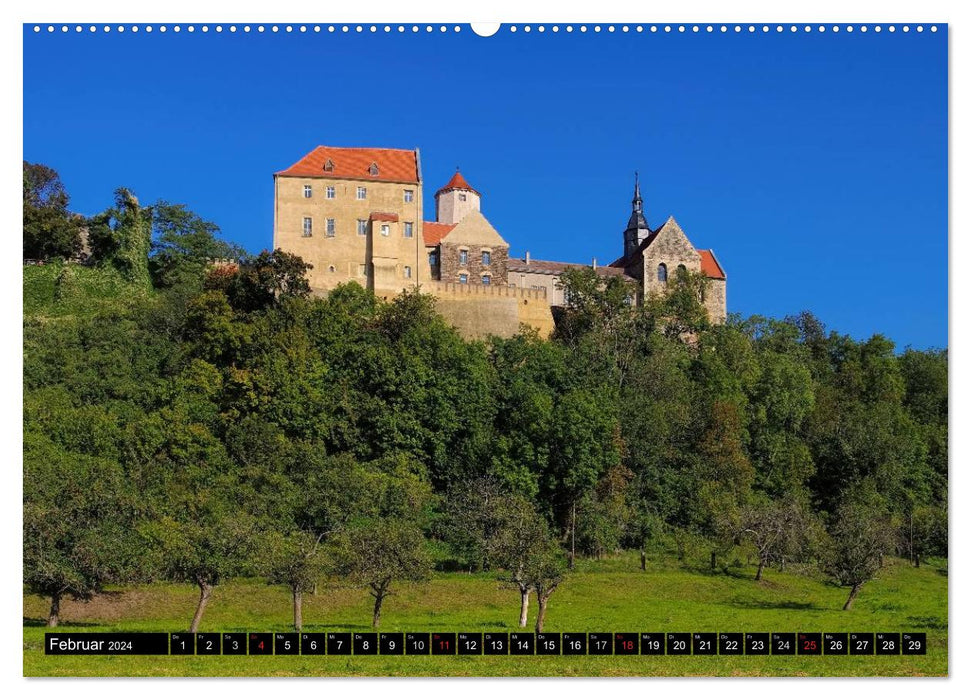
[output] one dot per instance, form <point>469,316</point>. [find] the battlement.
<point>458,290</point>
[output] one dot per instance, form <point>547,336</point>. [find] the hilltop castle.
<point>355,214</point>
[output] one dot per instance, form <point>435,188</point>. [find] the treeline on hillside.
<point>229,424</point>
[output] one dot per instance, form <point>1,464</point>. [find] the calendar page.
<point>484,350</point>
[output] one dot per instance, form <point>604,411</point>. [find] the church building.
<point>356,214</point>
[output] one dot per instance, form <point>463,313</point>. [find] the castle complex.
<point>356,214</point>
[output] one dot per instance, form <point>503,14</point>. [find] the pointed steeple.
<point>637,228</point>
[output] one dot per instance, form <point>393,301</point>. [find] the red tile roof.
<point>710,266</point>
<point>394,165</point>
<point>457,183</point>
<point>433,232</point>
<point>383,216</point>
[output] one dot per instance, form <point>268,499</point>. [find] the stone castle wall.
<point>478,311</point>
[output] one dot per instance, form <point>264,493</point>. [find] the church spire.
<point>637,228</point>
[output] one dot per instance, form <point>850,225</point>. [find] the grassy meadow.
<point>609,595</point>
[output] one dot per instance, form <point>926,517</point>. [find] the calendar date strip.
<point>487,643</point>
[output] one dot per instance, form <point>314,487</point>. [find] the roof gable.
<point>377,164</point>
<point>474,229</point>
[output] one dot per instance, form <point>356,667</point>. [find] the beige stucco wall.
<point>533,280</point>
<point>478,311</point>
<point>385,257</point>
<point>450,209</point>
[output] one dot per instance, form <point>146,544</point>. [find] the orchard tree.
<point>379,552</point>
<point>522,551</point>
<point>213,543</point>
<point>297,561</point>
<point>859,539</point>
<point>77,524</point>
<point>544,572</point>
<point>777,529</point>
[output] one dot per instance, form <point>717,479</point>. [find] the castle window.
<point>409,195</point>
<point>331,269</point>
<point>329,165</point>
<point>331,228</point>
<point>433,258</point>
<point>662,273</point>
<point>308,191</point>
<point>486,257</point>
<point>486,279</point>
<point>331,192</point>
<point>362,192</point>
<point>682,270</point>
<point>373,170</point>
<point>463,257</point>
<point>409,229</point>
<point>463,278</point>
<point>407,272</point>
<point>385,229</point>
<point>461,196</point>
<point>361,227</point>
<point>308,227</point>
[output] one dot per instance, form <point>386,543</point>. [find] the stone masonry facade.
<point>474,267</point>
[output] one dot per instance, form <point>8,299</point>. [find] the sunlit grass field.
<point>610,595</point>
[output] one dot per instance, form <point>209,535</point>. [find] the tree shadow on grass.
<point>775,605</point>
<point>40,622</point>
<point>719,572</point>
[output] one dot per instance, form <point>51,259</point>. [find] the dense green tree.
<point>183,245</point>
<point>50,230</point>
<point>585,444</point>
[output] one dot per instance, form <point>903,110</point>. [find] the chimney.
<point>594,263</point>
<point>527,257</point>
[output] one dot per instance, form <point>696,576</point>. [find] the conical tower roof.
<point>457,183</point>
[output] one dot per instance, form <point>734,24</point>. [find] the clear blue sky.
<point>815,165</point>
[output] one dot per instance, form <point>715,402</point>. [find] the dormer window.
<point>373,170</point>
<point>329,166</point>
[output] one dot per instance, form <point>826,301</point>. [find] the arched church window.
<point>682,270</point>
<point>662,273</point>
